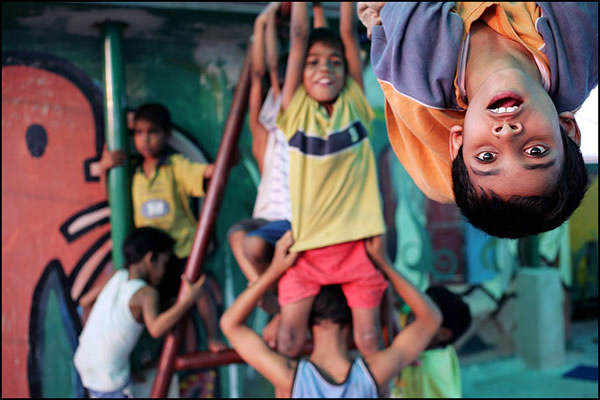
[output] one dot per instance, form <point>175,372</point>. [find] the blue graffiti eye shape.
<point>37,140</point>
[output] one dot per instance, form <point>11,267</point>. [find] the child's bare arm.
<point>319,20</point>
<point>413,339</point>
<point>158,324</point>
<point>298,43</point>
<point>108,160</point>
<point>277,368</point>
<point>349,35</point>
<point>90,296</point>
<point>259,133</point>
<point>271,49</point>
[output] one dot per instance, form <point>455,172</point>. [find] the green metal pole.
<point>119,178</point>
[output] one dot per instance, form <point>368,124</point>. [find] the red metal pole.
<point>206,221</point>
<point>206,359</point>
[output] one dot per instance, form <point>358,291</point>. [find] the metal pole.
<point>207,359</point>
<point>119,178</point>
<point>207,218</point>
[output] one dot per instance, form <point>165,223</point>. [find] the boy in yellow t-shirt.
<point>162,182</point>
<point>333,181</point>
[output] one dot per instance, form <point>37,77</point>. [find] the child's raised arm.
<point>319,20</point>
<point>413,339</point>
<point>259,133</point>
<point>298,43</point>
<point>271,48</point>
<point>349,34</point>
<point>247,343</point>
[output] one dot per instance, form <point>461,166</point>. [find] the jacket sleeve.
<point>416,49</point>
<point>570,32</point>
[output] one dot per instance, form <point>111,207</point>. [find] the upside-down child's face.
<point>511,139</point>
<point>323,75</point>
<point>150,140</point>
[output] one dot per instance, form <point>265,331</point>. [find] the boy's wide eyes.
<point>533,151</point>
<point>486,156</point>
<point>537,150</point>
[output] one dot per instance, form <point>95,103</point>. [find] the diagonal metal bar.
<point>206,221</point>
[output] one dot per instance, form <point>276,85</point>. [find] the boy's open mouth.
<point>505,103</point>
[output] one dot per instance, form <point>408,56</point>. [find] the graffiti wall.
<point>55,227</point>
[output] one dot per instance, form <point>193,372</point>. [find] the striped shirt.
<point>333,178</point>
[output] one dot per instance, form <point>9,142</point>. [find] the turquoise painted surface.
<point>59,354</point>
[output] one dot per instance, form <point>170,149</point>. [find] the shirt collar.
<point>163,160</point>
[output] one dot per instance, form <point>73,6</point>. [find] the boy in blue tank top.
<point>329,371</point>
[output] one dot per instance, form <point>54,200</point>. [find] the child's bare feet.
<point>269,332</point>
<point>216,345</point>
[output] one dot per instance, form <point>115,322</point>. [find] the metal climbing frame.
<point>206,221</point>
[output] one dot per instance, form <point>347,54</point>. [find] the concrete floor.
<point>508,377</point>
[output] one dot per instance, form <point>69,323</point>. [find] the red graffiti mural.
<point>55,236</point>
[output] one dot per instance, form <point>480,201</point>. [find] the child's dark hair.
<point>522,216</point>
<point>330,305</point>
<point>329,38</point>
<point>155,113</point>
<point>143,240</point>
<point>456,315</point>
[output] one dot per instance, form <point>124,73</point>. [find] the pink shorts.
<point>346,264</point>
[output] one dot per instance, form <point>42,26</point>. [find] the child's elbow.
<point>225,324</point>
<point>299,34</point>
<point>155,333</point>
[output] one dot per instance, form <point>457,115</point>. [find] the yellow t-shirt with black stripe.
<point>333,178</point>
<point>161,200</point>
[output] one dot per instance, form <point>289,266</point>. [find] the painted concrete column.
<point>540,336</point>
<point>119,178</point>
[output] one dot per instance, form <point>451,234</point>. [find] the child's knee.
<point>366,339</point>
<point>257,249</point>
<point>289,342</point>
<point>235,236</point>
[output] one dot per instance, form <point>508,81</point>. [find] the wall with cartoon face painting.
<point>55,233</point>
<point>55,230</point>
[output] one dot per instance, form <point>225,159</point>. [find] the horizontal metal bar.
<point>207,359</point>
